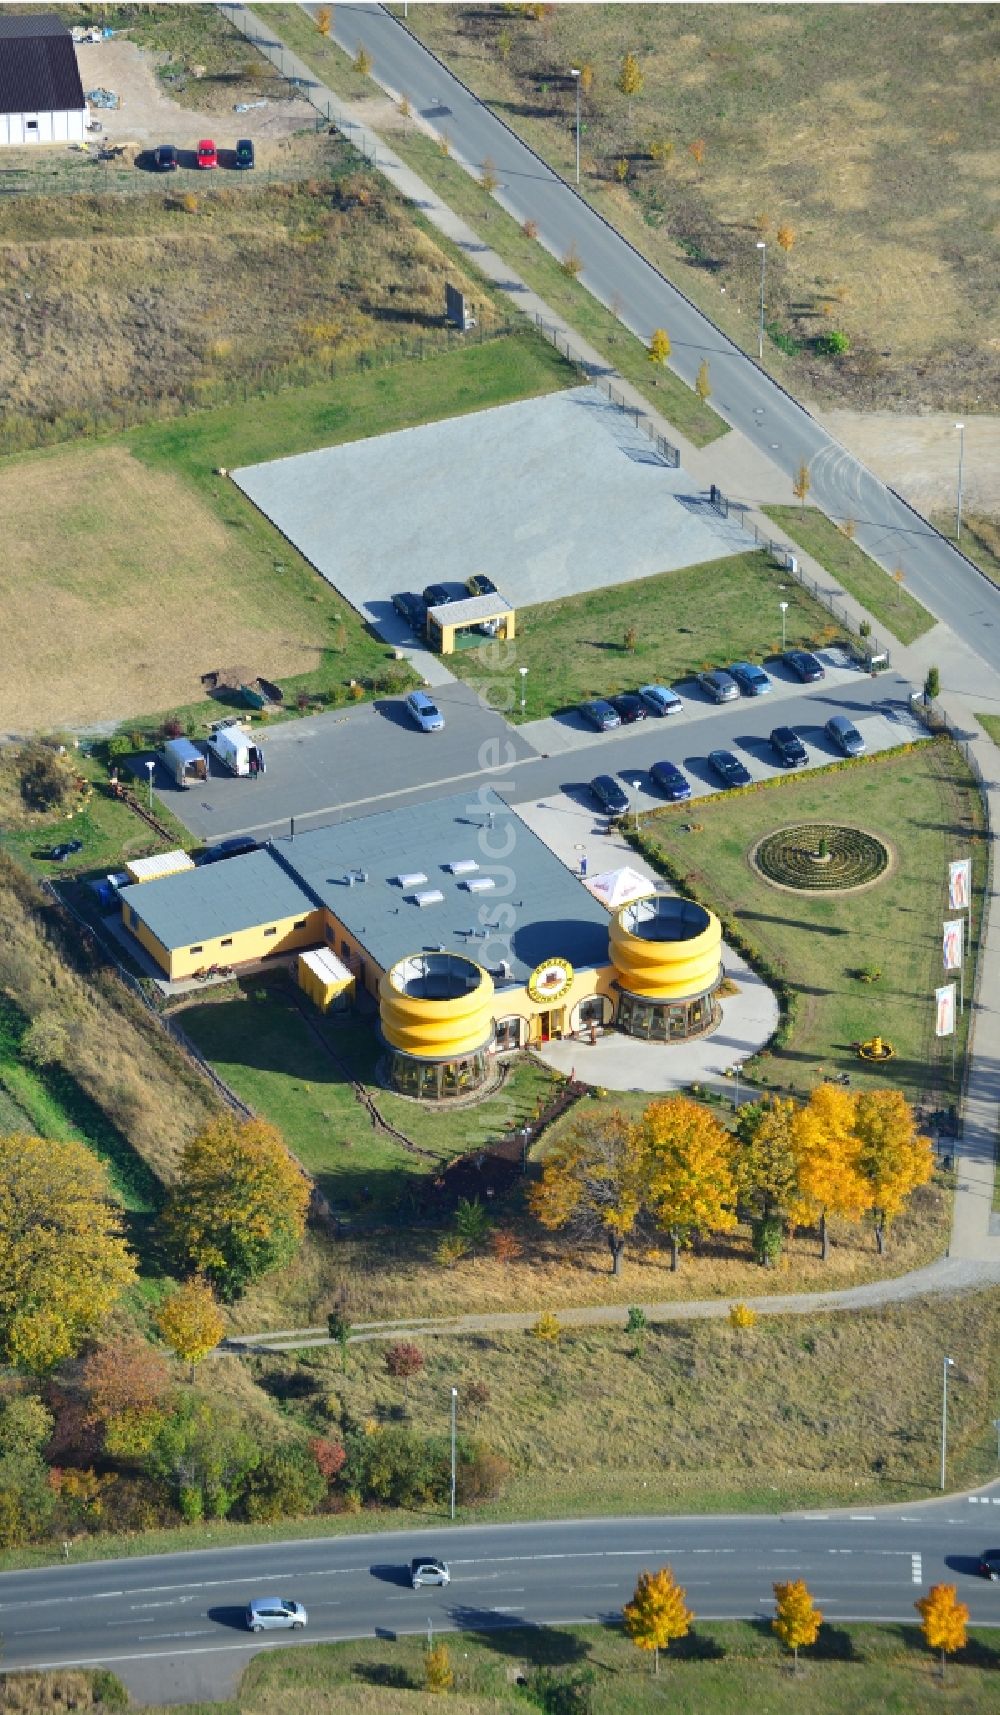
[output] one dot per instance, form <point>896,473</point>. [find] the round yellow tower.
<point>667,954</point>
<point>436,1013</point>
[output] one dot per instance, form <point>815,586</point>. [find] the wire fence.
<point>557,336</point>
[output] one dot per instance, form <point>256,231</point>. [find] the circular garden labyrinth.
<point>821,857</point>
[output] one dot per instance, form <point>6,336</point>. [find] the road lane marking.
<point>863,1518</point>
<point>916,1569</point>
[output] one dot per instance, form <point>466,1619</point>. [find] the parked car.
<point>426,1570</point>
<point>424,710</point>
<point>412,608</point>
<point>437,595</point>
<point>989,1564</point>
<point>238,846</point>
<point>208,154</point>
<point>601,715</point>
<point>661,699</point>
<point>165,158</point>
<point>845,735</point>
<point>274,1614</point>
<point>804,665</point>
<point>791,752</point>
<point>673,783</point>
<point>244,153</point>
<point>729,768</point>
<point>480,584</point>
<point>752,680</point>
<point>721,687</point>
<point>609,794</point>
<point>68,848</point>
<point>630,707</point>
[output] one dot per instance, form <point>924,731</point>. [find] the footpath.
<point>743,472</point>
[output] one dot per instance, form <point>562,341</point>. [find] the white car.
<point>424,710</point>
<point>275,1613</point>
<point>427,1570</point>
<point>661,699</point>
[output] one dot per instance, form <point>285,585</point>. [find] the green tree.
<point>893,1158</point>
<point>594,1183</point>
<point>767,1172</point>
<point>932,685</point>
<point>285,1483</point>
<point>45,777</point>
<point>204,1453</point>
<point>690,1168</point>
<point>239,1208</point>
<point>63,1260</point>
<point>45,1042</point>
<point>472,1222</point>
<point>26,1495</point>
<point>657,1613</point>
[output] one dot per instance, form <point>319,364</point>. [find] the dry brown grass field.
<point>871,131</point>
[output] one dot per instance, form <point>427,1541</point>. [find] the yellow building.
<point>470,622</point>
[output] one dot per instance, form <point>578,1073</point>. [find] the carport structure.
<point>462,624</point>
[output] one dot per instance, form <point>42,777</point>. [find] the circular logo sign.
<point>550,980</point>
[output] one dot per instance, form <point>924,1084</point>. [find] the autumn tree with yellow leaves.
<point>797,1619</point>
<point>190,1321</point>
<point>944,1621</point>
<point>657,1613</point>
<point>239,1207</point>
<point>659,347</point>
<point>893,1158</point>
<point>64,1262</point>
<point>594,1183</point>
<point>829,1173</point>
<point>689,1169</point>
<point>767,1172</point>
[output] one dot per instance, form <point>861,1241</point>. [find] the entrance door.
<point>552,1022</point>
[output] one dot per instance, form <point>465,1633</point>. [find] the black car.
<point>729,768</point>
<point>601,715</point>
<point>674,784</point>
<point>244,153</point>
<point>804,665</point>
<point>437,595</point>
<point>69,848</point>
<point>989,1564</point>
<point>608,793</point>
<point>789,747</point>
<point>165,158</point>
<point>630,708</point>
<point>480,584</point>
<point>238,846</point>
<point>412,608</point>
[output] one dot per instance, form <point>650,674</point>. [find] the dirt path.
<point>919,455</point>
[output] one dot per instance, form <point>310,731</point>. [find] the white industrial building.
<point>41,96</point>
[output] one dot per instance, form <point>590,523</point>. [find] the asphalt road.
<point>741,392</point>
<point>332,767</point>
<point>152,1619</point>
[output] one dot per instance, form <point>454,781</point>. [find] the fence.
<point>557,337</point>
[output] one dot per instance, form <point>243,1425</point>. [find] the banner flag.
<point>945,999</point>
<point>960,884</point>
<point>952,944</point>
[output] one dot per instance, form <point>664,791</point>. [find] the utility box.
<point>325,979</point>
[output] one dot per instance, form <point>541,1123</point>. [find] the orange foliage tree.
<point>594,1183</point>
<point>893,1158</point>
<point>797,1619</point>
<point>657,1613</point>
<point>944,1620</point>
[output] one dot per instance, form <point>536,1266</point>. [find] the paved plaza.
<point>549,497</point>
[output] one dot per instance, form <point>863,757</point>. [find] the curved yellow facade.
<point>437,1006</point>
<point>665,948</point>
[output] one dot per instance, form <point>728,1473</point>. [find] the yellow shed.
<point>462,624</point>
<point>156,867</point>
<point>325,979</point>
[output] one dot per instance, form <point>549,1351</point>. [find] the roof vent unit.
<point>416,879</point>
<point>503,970</point>
<point>357,877</point>
<point>462,866</point>
<point>433,896</point>
<point>480,884</point>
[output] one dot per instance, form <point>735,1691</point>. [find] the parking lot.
<point>548,496</point>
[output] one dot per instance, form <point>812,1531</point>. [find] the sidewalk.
<point>744,472</point>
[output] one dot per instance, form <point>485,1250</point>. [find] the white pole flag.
<point>960,884</point>
<point>952,944</point>
<point>945,999</point>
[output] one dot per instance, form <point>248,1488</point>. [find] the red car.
<point>207,153</point>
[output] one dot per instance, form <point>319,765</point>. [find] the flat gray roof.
<point>218,899</point>
<point>473,609</point>
<point>536,910</point>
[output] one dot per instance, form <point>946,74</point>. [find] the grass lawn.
<point>541,271</point>
<point>924,804</point>
<point>824,121</point>
<point>126,621</point>
<point>890,604</point>
<point>110,831</point>
<point>722,1668</point>
<point>269,1054</point>
<point>980,539</point>
<point>703,616</point>
<point>991,725</point>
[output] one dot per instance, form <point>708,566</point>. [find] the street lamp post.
<point>762,247</point>
<point>947,1364</point>
<point>575,75</point>
<point>150,765</point>
<point>454,1407</point>
<point>961,467</point>
<point>524,674</point>
<point>784,609</point>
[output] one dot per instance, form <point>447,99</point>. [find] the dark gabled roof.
<point>38,69</point>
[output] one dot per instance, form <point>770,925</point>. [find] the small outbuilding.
<point>325,979</point>
<point>156,867</point>
<point>41,95</point>
<point>463,624</point>
<point>184,761</point>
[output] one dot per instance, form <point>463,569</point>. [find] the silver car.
<point>275,1614</point>
<point>721,687</point>
<point>661,699</point>
<point>427,1570</point>
<point>424,710</point>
